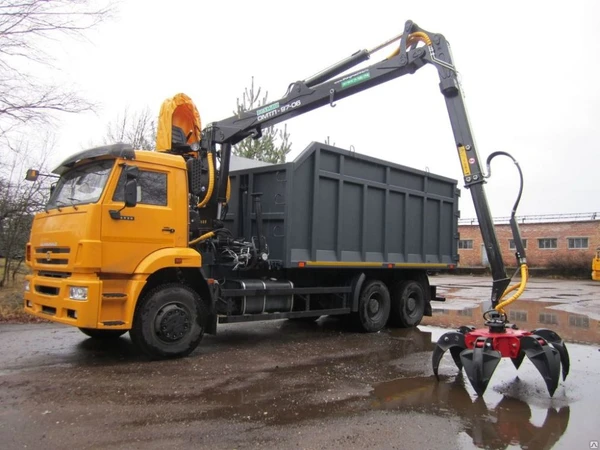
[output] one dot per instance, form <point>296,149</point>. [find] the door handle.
<point>169,230</point>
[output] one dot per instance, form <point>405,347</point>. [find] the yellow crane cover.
<point>179,111</point>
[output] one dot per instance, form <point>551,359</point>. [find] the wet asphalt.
<point>282,384</point>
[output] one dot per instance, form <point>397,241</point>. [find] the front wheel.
<point>102,334</point>
<point>169,322</point>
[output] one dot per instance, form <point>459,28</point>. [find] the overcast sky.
<point>529,71</point>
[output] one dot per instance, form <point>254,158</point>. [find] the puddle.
<point>529,315</point>
<point>507,422</point>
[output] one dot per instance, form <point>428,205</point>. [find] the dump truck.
<point>168,244</point>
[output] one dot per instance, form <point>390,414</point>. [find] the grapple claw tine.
<point>518,360</point>
<point>480,363</point>
<point>545,358</point>
<point>453,341</point>
<point>556,341</point>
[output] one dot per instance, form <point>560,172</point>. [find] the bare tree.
<point>19,201</point>
<point>274,144</point>
<point>29,103</point>
<point>26,26</point>
<point>137,128</point>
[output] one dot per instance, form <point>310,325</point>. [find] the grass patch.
<point>11,299</point>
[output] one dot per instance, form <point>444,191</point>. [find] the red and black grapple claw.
<point>479,351</point>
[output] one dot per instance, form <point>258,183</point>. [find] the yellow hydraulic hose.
<point>412,39</point>
<point>204,237</point>
<point>211,181</point>
<point>521,289</point>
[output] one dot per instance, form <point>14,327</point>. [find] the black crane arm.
<point>417,48</point>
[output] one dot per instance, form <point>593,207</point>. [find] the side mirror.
<point>131,172</point>
<point>131,192</point>
<point>32,175</point>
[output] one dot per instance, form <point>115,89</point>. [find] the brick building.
<point>550,241</point>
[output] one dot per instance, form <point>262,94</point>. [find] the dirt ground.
<point>282,384</point>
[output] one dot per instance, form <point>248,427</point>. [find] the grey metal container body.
<point>333,205</point>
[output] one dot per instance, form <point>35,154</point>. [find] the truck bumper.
<point>49,298</point>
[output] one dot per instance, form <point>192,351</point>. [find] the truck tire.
<point>408,304</point>
<point>373,306</point>
<point>102,334</point>
<point>169,322</point>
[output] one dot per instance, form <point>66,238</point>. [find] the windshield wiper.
<point>72,202</point>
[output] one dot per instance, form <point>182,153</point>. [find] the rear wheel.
<point>102,334</point>
<point>408,304</point>
<point>373,306</point>
<point>169,322</point>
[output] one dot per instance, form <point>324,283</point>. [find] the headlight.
<point>27,286</point>
<point>78,293</point>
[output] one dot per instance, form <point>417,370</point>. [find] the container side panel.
<point>441,188</point>
<point>272,185</point>
<point>352,220</point>
<point>327,221</point>
<point>395,228</point>
<point>375,224</point>
<point>330,162</point>
<point>406,180</point>
<point>432,231</point>
<point>301,206</point>
<point>364,170</point>
<point>447,242</point>
<point>414,229</point>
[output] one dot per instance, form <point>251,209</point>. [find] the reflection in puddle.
<point>508,422</point>
<point>526,315</point>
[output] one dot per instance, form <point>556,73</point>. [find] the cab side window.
<point>153,186</point>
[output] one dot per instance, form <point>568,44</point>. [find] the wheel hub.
<point>373,306</point>
<point>172,323</point>
<point>411,304</point>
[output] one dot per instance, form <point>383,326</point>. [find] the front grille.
<point>50,274</point>
<point>52,250</point>
<point>52,261</point>
<point>52,255</point>
<point>47,290</point>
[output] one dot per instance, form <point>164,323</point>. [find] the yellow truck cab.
<point>89,256</point>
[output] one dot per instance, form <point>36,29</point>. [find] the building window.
<point>548,319</point>
<point>441,311</point>
<point>465,244</point>
<point>517,316</point>
<point>579,321</point>
<point>547,243</point>
<point>465,312</point>
<point>580,242</point>
<point>512,246</point>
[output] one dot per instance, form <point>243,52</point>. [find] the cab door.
<point>140,230</point>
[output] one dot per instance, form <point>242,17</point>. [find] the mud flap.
<point>480,363</point>
<point>453,341</point>
<point>545,358</point>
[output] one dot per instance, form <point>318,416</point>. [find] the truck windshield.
<point>81,185</point>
